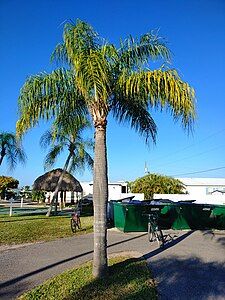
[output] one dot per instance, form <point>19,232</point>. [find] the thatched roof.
<point>49,180</point>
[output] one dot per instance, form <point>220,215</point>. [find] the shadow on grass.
<point>23,218</point>
<point>189,278</point>
<point>129,279</point>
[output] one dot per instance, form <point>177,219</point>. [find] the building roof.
<point>121,183</point>
<point>203,181</point>
<point>49,181</point>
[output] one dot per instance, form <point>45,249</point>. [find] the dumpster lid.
<point>186,201</point>
<point>126,199</point>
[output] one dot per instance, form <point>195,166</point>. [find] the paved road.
<point>192,266</point>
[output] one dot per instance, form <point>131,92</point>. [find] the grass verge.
<point>26,229</point>
<point>128,279</point>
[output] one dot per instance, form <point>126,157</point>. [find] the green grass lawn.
<point>127,279</point>
<point>25,229</point>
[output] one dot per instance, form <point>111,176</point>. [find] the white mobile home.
<point>117,190</point>
<point>203,190</point>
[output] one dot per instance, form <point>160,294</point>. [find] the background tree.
<point>67,133</point>
<point>11,150</point>
<point>97,78</point>
<point>157,184</point>
<point>7,183</point>
<point>38,196</point>
<point>25,192</point>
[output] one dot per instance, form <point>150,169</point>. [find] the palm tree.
<point>11,149</point>
<point>66,132</point>
<point>97,78</point>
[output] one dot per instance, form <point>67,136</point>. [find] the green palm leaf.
<point>44,96</point>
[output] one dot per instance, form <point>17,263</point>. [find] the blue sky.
<point>195,33</point>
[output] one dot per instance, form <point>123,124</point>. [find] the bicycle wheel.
<point>73,226</point>
<point>159,237</point>
<point>150,233</point>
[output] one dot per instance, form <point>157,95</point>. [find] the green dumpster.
<point>130,217</point>
<point>219,217</point>
<point>193,216</point>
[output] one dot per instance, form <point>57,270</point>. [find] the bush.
<point>157,184</point>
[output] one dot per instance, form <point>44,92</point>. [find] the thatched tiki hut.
<point>49,181</point>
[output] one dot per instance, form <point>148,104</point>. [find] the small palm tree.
<point>11,149</point>
<point>96,78</point>
<point>66,133</point>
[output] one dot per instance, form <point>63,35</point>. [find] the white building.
<point>203,186</point>
<point>203,190</point>
<point>117,190</point>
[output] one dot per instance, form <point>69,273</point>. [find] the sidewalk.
<point>191,267</point>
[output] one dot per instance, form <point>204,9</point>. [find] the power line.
<point>188,157</point>
<point>204,171</point>
<point>190,146</point>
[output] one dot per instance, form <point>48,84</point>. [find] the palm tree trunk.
<point>2,154</point>
<point>100,198</point>
<point>54,198</point>
<point>1,159</point>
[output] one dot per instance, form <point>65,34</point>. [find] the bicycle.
<point>75,221</point>
<point>154,231</point>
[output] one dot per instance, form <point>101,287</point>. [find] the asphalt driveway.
<point>192,266</point>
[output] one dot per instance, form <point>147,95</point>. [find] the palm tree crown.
<point>102,77</point>
<point>66,133</point>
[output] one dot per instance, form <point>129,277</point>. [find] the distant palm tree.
<point>99,78</point>
<point>11,150</point>
<point>66,133</point>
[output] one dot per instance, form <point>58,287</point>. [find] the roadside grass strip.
<point>28,229</point>
<point>128,278</point>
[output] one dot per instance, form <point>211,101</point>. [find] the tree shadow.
<point>168,245</point>
<point>25,219</point>
<point>129,279</point>
<point>13,284</point>
<point>189,278</point>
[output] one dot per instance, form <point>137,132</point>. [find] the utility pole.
<point>146,169</point>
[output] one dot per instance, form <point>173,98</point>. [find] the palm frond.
<point>59,55</point>
<point>51,157</point>
<point>135,112</point>
<point>79,38</point>
<point>70,124</point>
<point>93,76</point>
<point>137,52</point>
<point>12,149</point>
<point>80,160</point>
<point>161,89</point>
<point>46,139</point>
<point>45,96</point>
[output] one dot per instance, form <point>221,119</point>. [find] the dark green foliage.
<point>38,196</point>
<point>157,184</point>
<point>7,183</point>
